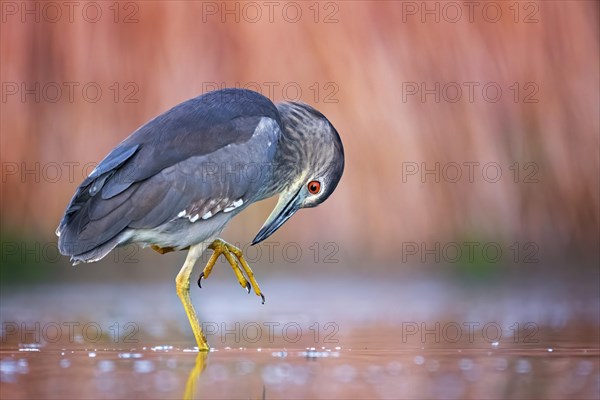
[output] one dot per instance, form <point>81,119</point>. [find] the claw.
<point>235,258</point>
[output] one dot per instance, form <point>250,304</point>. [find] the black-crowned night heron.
<point>177,180</point>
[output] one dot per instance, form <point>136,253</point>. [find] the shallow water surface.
<point>397,340</point>
<point>168,372</point>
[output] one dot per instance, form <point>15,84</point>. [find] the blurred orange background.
<point>407,94</point>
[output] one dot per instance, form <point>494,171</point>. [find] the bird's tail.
<point>93,255</point>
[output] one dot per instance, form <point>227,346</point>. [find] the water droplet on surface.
<point>164,348</point>
<point>29,349</point>
<point>130,355</point>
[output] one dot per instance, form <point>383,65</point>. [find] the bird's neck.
<point>300,125</point>
<point>291,159</point>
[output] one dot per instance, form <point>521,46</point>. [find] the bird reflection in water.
<point>193,377</point>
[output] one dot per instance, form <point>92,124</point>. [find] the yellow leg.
<point>219,247</point>
<point>183,291</point>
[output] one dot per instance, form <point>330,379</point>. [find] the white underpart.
<point>207,215</point>
<point>235,205</point>
<point>181,214</point>
<point>194,218</point>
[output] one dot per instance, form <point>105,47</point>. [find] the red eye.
<point>314,187</point>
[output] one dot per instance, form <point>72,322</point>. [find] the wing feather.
<point>159,170</point>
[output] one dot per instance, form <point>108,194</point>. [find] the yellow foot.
<point>164,250</point>
<point>229,251</point>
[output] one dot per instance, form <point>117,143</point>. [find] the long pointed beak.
<point>287,205</point>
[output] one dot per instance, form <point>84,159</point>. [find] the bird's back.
<point>151,176</point>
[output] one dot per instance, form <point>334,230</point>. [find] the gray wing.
<point>183,160</point>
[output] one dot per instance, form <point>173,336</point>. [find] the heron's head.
<point>310,163</point>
